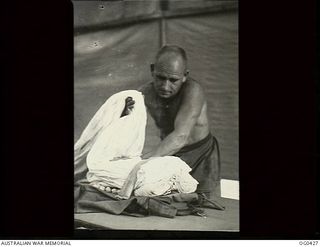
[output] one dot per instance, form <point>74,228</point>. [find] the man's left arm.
<point>186,119</point>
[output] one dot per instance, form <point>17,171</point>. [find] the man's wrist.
<point>147,155</point>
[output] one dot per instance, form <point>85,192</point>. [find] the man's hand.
<point>128,106</point>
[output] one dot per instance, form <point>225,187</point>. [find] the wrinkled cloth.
<point>205,166</point>
<point>158,176</point>
<point>162,175</point>
<point>92,200</point>
<point>115,148</point>
<point>100,127</point>
<point>89,199</point>
<point>119,145</point>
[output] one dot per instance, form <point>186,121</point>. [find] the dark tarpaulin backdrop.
<point>115,42</point>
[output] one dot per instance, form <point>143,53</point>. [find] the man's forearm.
<point>168,146</point>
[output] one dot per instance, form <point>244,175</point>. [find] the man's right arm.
<point>185,121</point>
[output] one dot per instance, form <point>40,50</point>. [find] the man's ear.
<point>185,75</point>
<point>152,68</point>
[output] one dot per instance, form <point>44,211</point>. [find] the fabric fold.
<point>112,145</point>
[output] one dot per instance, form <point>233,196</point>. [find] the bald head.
<point>172,51</point>
<point>169,71</point>
<point>172,59</point>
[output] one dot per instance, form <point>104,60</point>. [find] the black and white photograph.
<point>156,115</point>
<point>159,120</point>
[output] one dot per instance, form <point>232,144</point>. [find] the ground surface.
<point>216,220</point>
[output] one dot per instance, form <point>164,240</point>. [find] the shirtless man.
<point>177,104</point>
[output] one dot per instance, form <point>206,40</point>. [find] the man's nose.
<point>166,85</point>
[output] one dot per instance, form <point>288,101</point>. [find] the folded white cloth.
<point>161,175</point>
<point>113,146</point>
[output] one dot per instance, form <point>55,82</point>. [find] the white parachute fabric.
<point>113,146</point>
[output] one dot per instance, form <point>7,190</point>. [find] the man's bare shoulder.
<point>193,88</point>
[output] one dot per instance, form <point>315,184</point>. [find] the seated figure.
<point>177,104</point>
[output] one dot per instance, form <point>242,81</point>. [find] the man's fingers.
<point>129,99</point>
<point>130,103</point>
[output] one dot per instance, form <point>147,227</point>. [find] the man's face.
<point>169,74</point>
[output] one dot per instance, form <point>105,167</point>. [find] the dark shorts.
<point>205,166</point>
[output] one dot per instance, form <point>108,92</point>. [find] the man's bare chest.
<point>163,112</point>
